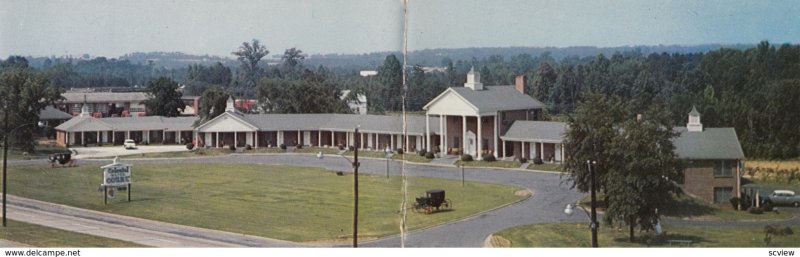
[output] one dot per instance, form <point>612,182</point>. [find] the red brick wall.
<point>699,181</point>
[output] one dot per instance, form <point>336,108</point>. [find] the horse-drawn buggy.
<point>433,201</point>
<point>62,159</point>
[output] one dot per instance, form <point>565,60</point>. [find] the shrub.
<point>436,149</point>
<point>341,147</point>
<point>189,146</point>
<point>466,158</point>
<point>523,160</point>
<point>767,206</point>
<point>299,146</point>
<point>283,146</point>
<point>429,155</point>
<point>248,147</point>
<point>399,151</point>
<point>85,145</point>
<point>232,147</point>
<point>351,148</point>
<point>756,210</point>
<point>735,202</point>
<point>422,152</point>
<point>538,160</point>
<point>489,158</point>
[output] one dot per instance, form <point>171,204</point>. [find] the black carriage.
<point>63,159</point>
<point>434,200</point>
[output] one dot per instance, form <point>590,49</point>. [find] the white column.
<point>463,134</point>
<point>441,133</point>
<point>541,151</point>
<point>216,142</point>
<point>98,137</point>
<point>236,139</point>
<point>256,142</point>
<point>361,140</point>
<point>113,136</point>
<point>480,139</point>
<point>391,142</point>
<point>494,139</point>
<point>163,135</point>
<point>299,140</point>
<point>503,147</point>
<point>333,140</point>
<point>280,137</point>
<point>319,138</point>
<point>428,132</point>
<point>522,154</point>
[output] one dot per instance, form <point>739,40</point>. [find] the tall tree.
<point>164,98</point>
<point>636,164</point>
<point>249,54</point>
<point>390,75</point>
<point>212,104</point>
<point>292,63</point>
<point>23,93</point>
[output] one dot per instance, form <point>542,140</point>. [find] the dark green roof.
<point>497,98</point>
<point>536,131</point>
<point>709,144</point>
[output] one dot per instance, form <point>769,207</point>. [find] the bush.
<point>341,147</point>
<point>489,158</point>
<point>538,160</point>
<point>189,146</point>
<point>399,151</point>
<point>283,146</point>
<point>351,148</point>
<point>422,152</point>
<point>466,158</point>
<point>299,146</point>
<point>523,160</point>
<point>767,206</point>
<point>436,149</point>
<point>756,210</point>
<point>248,147</point>
<point>429,155</point>
<point>232,147</point>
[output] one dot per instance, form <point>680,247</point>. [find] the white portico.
<point>472,118</point>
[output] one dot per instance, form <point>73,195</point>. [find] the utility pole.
<point>355,190</point>
<point>594,224</point>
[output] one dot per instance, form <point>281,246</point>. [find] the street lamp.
<point>5,160</point>
<point>569,210</point>
<point>355,164</point>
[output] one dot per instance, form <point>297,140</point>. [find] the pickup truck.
<point>783,197</point>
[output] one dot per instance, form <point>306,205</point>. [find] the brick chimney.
<point>520,84</point>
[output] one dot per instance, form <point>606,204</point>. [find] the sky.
<point>113,28</point>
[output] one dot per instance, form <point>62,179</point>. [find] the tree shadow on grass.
<point>684,207</point>
<point>665,240</point>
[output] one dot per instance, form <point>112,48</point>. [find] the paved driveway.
<point>111,151</point>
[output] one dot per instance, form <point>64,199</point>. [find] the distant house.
<point>104,104</point>
<point>357,106</point>
<point>713,158</point>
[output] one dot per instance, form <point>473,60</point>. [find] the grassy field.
<point>324,150</point>
<point>546,167</point>
<point>579,235</point>
<point>40,236</point>
<point>494,164</point>
<point>289,203</point>
<point>786,165</point>
<point>40,152</point>
<point>411,157</point>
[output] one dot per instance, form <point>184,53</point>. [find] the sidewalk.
<point>136,230</point>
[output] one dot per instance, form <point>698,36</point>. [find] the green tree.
<point>164,98</point>
<point>249,54</point>
<point>292,63</point>
<point>636,163</point>
<point>23,93</point>
<point>390,75</point>
<point>212,103</point>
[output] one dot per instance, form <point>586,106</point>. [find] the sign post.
<point>116,175</point>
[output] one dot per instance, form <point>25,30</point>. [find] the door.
<point>470,148</point>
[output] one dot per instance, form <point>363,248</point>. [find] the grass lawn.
<point>494,164</point>
<point>289,203</point>
<point>689,208</point>
<point>40,236</point>
<point>546,167</point>
<point>314,150</point>
<point>579,235</point>
<point>411,157</point>
<point>40,152</point>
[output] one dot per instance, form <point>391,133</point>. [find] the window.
<point>722,194</point>
<point>724,168</point>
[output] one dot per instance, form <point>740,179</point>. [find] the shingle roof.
<point>101,97</point>
<point>151,123</point>
<point>51,113</point>
<point>536,131</point>
<point>82,124</point>
<point>339,122</point>
<point>709,144</point>
<point>498,98</point>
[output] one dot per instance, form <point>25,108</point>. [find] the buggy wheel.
<point>447,204</point>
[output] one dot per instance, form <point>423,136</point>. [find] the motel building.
<point>475,119</point>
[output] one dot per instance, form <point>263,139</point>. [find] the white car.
<point>129,144</point>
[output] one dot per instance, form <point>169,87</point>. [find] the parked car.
<point>783,197</point>
<point>129,144</point>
